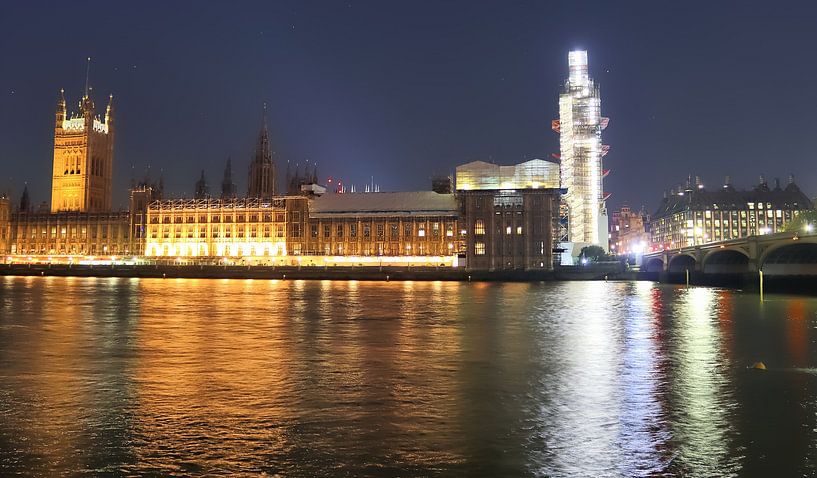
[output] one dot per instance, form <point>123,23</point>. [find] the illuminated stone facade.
<point>336,229</point>
<point>71,233</point>
<point>251,229</point>
<point>398,228</point>
<point>82,173</point>
<point>695,215</point>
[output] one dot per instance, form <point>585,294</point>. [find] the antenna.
<point>87,75</point>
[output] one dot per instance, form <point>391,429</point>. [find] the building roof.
<point>412,203</point>
<point>533,174</point>
<point>727,198</point>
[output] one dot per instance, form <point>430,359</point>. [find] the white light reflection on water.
<point>700,394</point>
<point>582,397</point>
<point>643,436</point>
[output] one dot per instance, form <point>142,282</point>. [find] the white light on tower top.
<point>577,64</point>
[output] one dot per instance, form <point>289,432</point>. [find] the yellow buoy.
<point>759,366</point>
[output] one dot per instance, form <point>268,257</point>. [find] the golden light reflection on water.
<point>129,376</point>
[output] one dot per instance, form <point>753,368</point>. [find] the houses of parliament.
<point>491,217</point>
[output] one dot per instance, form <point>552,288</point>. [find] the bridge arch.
<point>790,258</point>
<point>654,264</point>
<point>681,263</point>
<point>726,261</point>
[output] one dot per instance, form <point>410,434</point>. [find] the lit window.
<point>508,230</point>
<point>479,249</point>
<point>479,226</point>
<point>519,230</point>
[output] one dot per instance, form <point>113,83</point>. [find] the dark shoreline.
<point>385,273</point>
<point>801,285</point>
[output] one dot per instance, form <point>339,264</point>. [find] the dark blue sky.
<point>401,90</point>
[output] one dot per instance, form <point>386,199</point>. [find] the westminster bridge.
<point>781,254</point>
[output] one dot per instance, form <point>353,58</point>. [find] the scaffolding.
<point>579,125</point>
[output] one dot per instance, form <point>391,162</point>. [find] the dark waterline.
<point>318,378</point>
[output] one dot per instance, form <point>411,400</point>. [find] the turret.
<point>61,112</point>
<point>109,113</point>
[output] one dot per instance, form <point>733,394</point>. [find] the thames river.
<point>328,378</point>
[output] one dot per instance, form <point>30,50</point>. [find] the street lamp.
<point>809,227</point>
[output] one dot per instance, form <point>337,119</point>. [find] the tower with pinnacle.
<point>82,174</point>
<point>261,182</point>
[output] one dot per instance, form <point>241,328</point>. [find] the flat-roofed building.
<point>417,227</point>
<point>509,214</point>
<point>71,234</point>
<point>248,229</point>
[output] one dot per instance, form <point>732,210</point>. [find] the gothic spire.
<point>263,154</point>
<point>261,181</point>
<point>87,77</point>
<point>202,190</point>
<point>86,105</point>
<point>25,202</point>
<point>227,185</point>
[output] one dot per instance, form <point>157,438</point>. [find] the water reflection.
<point>700,394</point>
<point>173,377</point>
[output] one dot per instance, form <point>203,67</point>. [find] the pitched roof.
<point>790,198</point>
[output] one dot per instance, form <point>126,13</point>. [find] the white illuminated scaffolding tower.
<point>579,126</point>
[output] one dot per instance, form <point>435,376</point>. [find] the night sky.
<point>401,91</point>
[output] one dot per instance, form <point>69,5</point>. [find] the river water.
<point>329,378</point>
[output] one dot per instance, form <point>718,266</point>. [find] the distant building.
<point>579,126</point>
<point>442,184</point>
<point>295,181</point>
<point>695,215</point>
<point>629,231</point>
<point>509,214</point>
